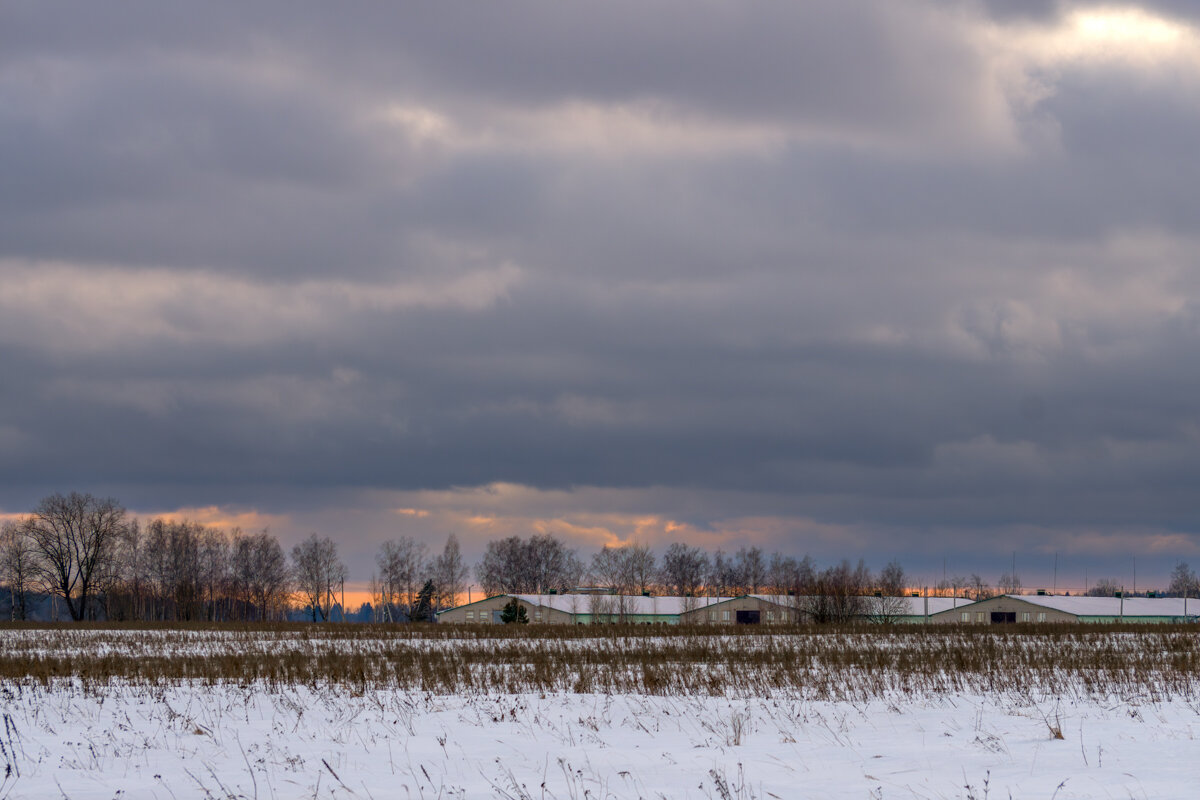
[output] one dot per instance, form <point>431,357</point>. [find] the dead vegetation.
<point>819,662</point>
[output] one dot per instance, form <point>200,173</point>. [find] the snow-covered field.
<point>254,742</point>
<point>78,738</point>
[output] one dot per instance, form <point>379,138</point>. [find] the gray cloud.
<point>919,276</point>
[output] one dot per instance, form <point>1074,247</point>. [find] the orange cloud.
<point>218,517</point>
<point>411,512</point>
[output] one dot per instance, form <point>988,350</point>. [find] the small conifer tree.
<point>514,612</point>
<point>423,610</point>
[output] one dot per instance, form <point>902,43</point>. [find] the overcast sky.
<point>847,277</point>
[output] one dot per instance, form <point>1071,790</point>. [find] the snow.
<point>259,741</point>
<point>928,736</point>
<point>671,605</point>
<point>632,604</point>
<point>1114,606</point>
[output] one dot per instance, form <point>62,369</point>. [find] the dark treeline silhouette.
<point>95,561</point>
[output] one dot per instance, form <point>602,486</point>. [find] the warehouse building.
<point>755,609</point>
<point>1011,608</point>
<point>582,609</point>
<point>751,609</point>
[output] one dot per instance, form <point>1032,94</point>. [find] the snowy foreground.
<point>290,742</point>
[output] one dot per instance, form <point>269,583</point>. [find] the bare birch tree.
<point>449,574</point>
<point>684,569</point>
<point>317,570</point>
<point>643,569</point>
<point>18,567</point>
<point>402,565</point>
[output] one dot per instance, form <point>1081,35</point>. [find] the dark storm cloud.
<point>910,270</point>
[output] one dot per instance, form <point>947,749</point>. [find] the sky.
<point>878,279</point>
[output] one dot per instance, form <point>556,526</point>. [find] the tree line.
<point>97,561</point>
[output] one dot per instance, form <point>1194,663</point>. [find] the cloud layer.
<point>921,276</point>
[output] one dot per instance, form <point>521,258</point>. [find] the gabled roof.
<point>613,604</point>
<point>906,606</point>
<point>915,606</point>
<point>1112,606</point>
<point>637,605</point>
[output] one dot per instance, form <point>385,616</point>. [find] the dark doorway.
<point>1000,617</point>
<point>747,617</point>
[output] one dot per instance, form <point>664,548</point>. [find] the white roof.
<point>667,605</point>
<point>907,606</point>
<point>1111,606</point>
<point>613,604</point>
<point>916,605</point>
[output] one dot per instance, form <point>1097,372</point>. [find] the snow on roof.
<point>1112,607</point>
<point>613,604</point>
<point>905,606</point>
<point>916,605</point>
<point>673,606</point>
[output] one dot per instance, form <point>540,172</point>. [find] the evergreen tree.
<point>514,612</point>
<point>423,609</point>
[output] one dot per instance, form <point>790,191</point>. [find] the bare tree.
<point>173,560</point>
<point>75,536</point>
<point>684,569</point>
<point>722,575</point>
<point>214,559</point>
<point>610,569</point>
<point>542,564</point>
<point>317,570</point>
<point>889,604</point>
<point>402,565</point>
<point>550,565</point>
<point>1105,587</point>
<point>18,567</point>
<point>1009,583</point>
<point>837,594</point>
<point>642,566</point>
<point>272,581</point>
<point>260,576</point>
<point>376,591</point>
<point>977,588</point>
<point>1183,582</point>
<point>500,569</point>
<point>750,569</point>
<point>124,583</point>
<point>449,573</point>
<point>782,573</point>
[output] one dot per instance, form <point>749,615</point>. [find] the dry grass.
<point>819,662</point>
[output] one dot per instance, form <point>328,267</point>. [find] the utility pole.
<point>1054,587</point>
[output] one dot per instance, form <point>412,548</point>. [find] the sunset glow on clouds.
<point>916,280</point>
